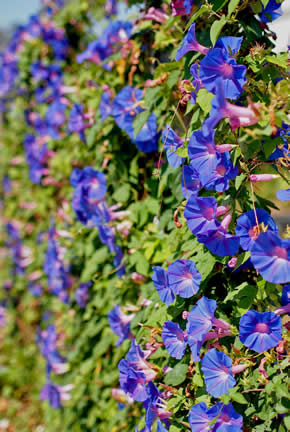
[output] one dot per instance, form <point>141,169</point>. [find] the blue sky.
<point>16,11</point>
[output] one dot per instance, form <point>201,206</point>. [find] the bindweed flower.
<point>260,331</point>
<point>270,256</point>
<point>190,43</point>
<point>216,367</point>
<point>120,324</point>
<point>183,278</point>
<point>160,281</point>
<point>249,226</point>
<point>171,143</point>
<point>174,339</point>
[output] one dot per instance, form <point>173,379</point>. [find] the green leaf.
<point>242,258</point>
<point>287,422</point>
<point>279,59</point>
<point>177,375</point>
<point>216,28</point>
<point>204,100</point>
<point>139,121</point>
<point>232,6</point>
<point>237,397</point>
<point>196,15</point>
<point>122,194</point>
<point>239,180</point>
<point>182,152</point>
<point>219,4</point>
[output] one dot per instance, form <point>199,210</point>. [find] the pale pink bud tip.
<point>223,148</point>
<point>185,315</point>
<point>263,177</point>
<point>226,221</point>
<point>221,210</point>
<point>238,368</point>
<point>233,262</point>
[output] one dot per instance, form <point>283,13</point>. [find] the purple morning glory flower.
<point>271,12</point>
<point>200,214</point>
<point>55,118</point>
<point>218,64</point>
<point>220,242</point>
<point>76,121</point>
<point>202,152</point>
<point>153,405</point>
<point>183,278</point>
<point>105,106</point>
<point>199,322</point>
<point>174,339</point>
<point>82,295</point>
<point>260,331</point>
<point>36,154</point>
<point>229,43</point>
<point>132,381</point>
<point>196,82</point>
<point>285,298</point>
<point>190,43</point>
<point>171,143</point>
<point>247,228</point>
<point>200,417</point>
<point>50,392</point>
<point>222,172</point>
<point>120,324</point>
<point>160,281</point>
<point>181,7</point>
<point>270,256</point>
<point>283,194</point>
<point>217,370</point>
<point>190,182</point>
<point>228,418</point>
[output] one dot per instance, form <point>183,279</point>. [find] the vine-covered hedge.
<point>143,149</point>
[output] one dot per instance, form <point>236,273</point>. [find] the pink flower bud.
<point>226,221</point>
<point>238,368</point>
<point>138,278</point>
<point>221,210</point>
<point>156,15</point>
<point>263,177</point>
<point>223,148</point>
<point>233,262</point>
<point>185,315</point>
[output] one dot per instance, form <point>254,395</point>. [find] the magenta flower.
<point>184,278</point>
<point>190,44</point>
<point>217,370</point>
<point>260,331</point>
<point>270,256</point>
<point>181,7</point>
<point>174,339</point>
<point>247,228</point>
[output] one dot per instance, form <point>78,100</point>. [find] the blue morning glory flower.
<point>82,295</point>
<point>51,393</point>
<point>229,43</point>
<point>270,256</point>
<point>260,331</point>
<point>190,43</point>
<point>271,12</point>
<point>196,82</point>
<point>171,143</point>
<point>160,281</point>
<point>190,182</point>
<point>285,298</point>
<point>120,324</point>
<point>160,427</point>
<point>220,174</point>
<point>200,214</point>
<point>55,118</point>
<point>202,152</point>
<point>132,381</point>
<point>228,418</point>
<point>247,228</point>
<point>76,121</point>
<point>174,339</point>
<point>199,322</point>
<point>183,278</point>
<point>154,408</point>
<point>105,106</point>
<point>217,370</point>
<point>218,64</point>
<point>220,242</point>
<point>283,194</point>
<point>200,417</point>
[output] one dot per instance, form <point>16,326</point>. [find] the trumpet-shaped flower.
<point>285,298</point>
<point>200,214</point>
<point>200,417</point>
<point>220,242</point>
<point>190,182</point>
<point>217,370</point>
<point>220,174</point>
<point>247,228</point>
<point>270,256</point>
<point>184,278</point>
<point>171,143</point>
<point>82,295</point>
<point>190,43</point>
<point>120,324</point>
<point>260,331</point>
<point>174,339</point>
<point>160,281</point>
<point>202,151</point>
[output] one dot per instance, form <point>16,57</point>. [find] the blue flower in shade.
<point>105,106</point>
<point>171,143</point>
<point>118,258</point>
<point>222,172</point>
<point>200,417</point>
<point>76,121</point>
<point>228,418</point>
<point>36,154</point>
<point>283,194</point>
<point>202,152</point>
<point>183,278</point>
<point>147,139</point>
<point>190,43</point>
<point>220,242</point>
<point>35,289</point>
<point>107,237</point>
<point>272,11</point>
<point>285,298</point>
<point>218,64</point>
<point>160,427</point>
<point>174,339</point>
<point>153,407</point>
<point>120,324</point>
<point>200,214</point>
<point>260,331</point>
<point>82,295</point>
<point>270,256</point>
<point>55,118</point>
<point>217,370</point>
<point>160,281</point>
<point>247,228</point>
<point>132,381</point>
<point>190,183</point>
<point>199,322</point>
<point>196,82</point>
